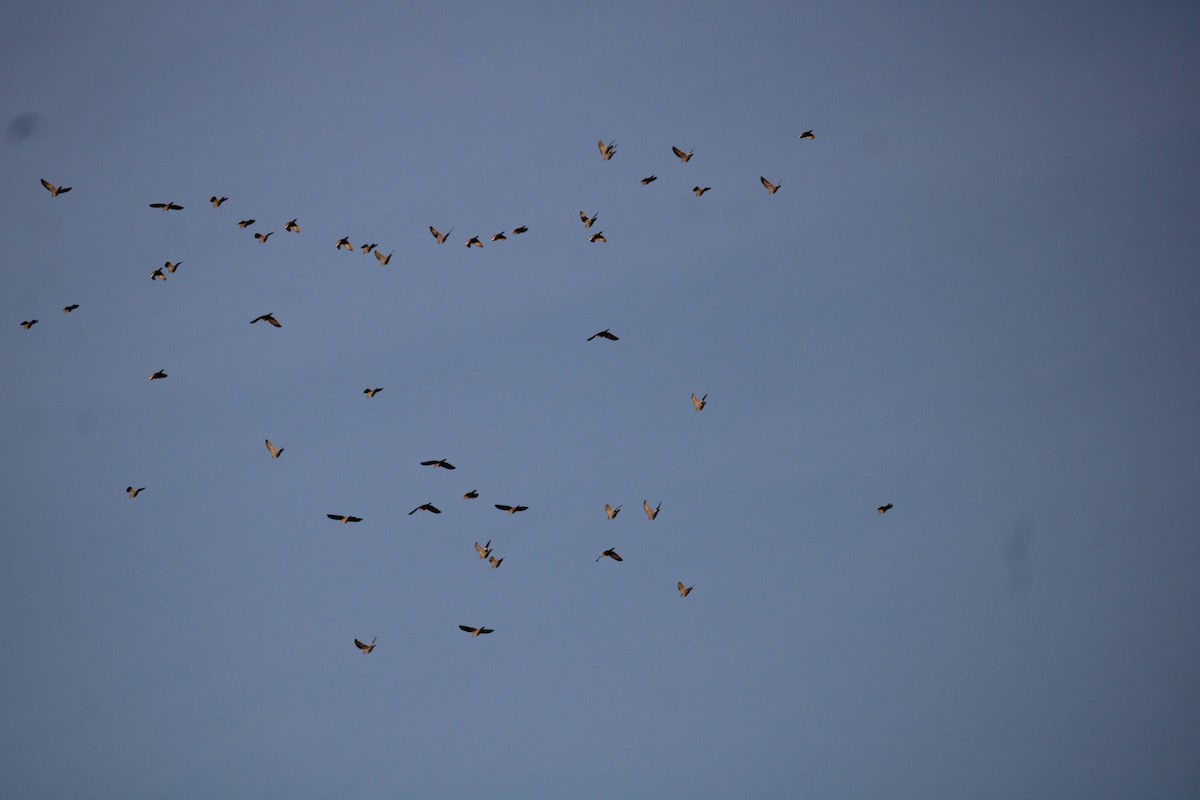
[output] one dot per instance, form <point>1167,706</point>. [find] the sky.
<point>974,297</point>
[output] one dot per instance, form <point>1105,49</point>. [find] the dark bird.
<point>700,191</point>
<point>484,551</point>
<point>512,509</point>
<point>158,376</point>
<point>430,507</point>
<point>471,495</point>
<point>382,259</point>
<point>216,201</point>
<point>684,591</point>
<point>167,206</point>
<point>344,244</point>
<point>883,509</point>
<point>520,230</point>
<point>268,318</point>
<point>500,237</point>
<point>262,237</point>
<point>372,392</point>
<point>440,462</point>
<point>29,323</point>
<point>272,449</point>
<point>54,191</point>
<point>496,562</point>
<point>132,492</point>
<point>475,631</point>
<point>611,512</point>
<point>246,223</point>
<point>699,402</point>
<point>588,221</point>
<point>158,275</point>
<point>771,188</point>
<point>649,180</point>
<point>607,150</point>
<point>292,227</point>
<point>611,553</point>
<point>651,513</point>
<point>597,237</point>
<point>807,135</point>
<point>342,518</point>
<point>604,334</point>
<point>441,237</point>
<point>682,156</point>
<point>474,242</point>
<point>367,248</point>
<point>366,648</point>
<point>171,266</point>
<point>70,308</point>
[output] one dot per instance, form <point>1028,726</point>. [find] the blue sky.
<point>973,297</point>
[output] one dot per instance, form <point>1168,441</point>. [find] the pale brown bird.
<point>611,553</point>
<point>366,648</point>
<point>682,156</point>
<point>171,266</point>
<point>430,507</point>
<point>441,237</point>
<point>588,221</point>
<point>699,402</point>
<point>439,462</point>
<point>604,334</point>
<point>343,518</point>
<point>698,191</point>
<point>474,242</point>
<point>344,244</point>
<point>500,237</point>
<point>512,509</point>
<point>484,551</point>
<point>611,512</point>
<point>883,509</point>
<point>70,308</point>
<point>496,562</point>
<point>268,318</point>
<point>807,135</point>
<point>158,376</point>
<point>771,188</point>
<point>216,201</point>
<point>158,275</point>
<point>649,180</point>
<point>292,227</point>
<point>367,248</point>
<point>607,150</point>
<point>272,449</point>
<point>262,237</point>
<point>475,631</point>
<point>520,230</point>
<point>246,223</point>
<point>684,591</point>
<point>651,513</point>
<point>132,492</point>
<point>372,392</point>
<point>471,495</point>
<point>597,237</point>
<point>382,259</point>
<point>29,323</point>
<point>54,191</point>
<point>167,206</point>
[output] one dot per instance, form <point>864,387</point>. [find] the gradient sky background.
<point>975,296</point>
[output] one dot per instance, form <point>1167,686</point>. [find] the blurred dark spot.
<point>1016,556</point>
<point>23,127</point>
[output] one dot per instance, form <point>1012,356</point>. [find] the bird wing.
<point>466,628</point>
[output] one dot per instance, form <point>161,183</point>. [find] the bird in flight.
<point>474,242</point>
<point>272,449</point>
<point>268,318</point>
<point>382,259</point>
<point>649,180</point>
<point>588,221</point>
<point>372,392</point>
<point>54,191</point>
<point>699,402</point>
<point>807,135</point>
<point>607,150</point>
<point>597,237</point>
<point>167,206</point>
<point>471,495</point>
<point>520,230</point>
<point>367,248</point>
<point>496,562</point>
<point>366,648</point>
<point>344,244</point>
<point>172,266</point>
<point>682,156</point>
<point>611,512</point>
<point>611,553</point>
<point>343,518</point>
<point>475,631</point>
<point>883,509</point>
<point>158,376</point>
<point>651,513</point>
<point>246,223</point>
<point>441,237</point>
<point>684,591</point>
<point>292,227</point>
<point>132,492</point>
<point>216,201</point>
<point>262,237</point>
<point>29,323</point>
<point>771,188</point>
<point>604,334</point>
<point>698,191</point>
<point>439,462</point>
<point>484,551</point>
<point>430,507</point>
<point>158,275</point>
<point>500,237</point>
<point>70,308</point>
<point>512,509</point>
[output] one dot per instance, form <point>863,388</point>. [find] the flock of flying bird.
<point>607,151</point>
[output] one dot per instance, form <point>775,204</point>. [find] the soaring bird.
<point>520,230</point>
<point>682,156</point>
<point>604,334</point>
<point>883,509</point>
<point>474,631</point>
<point>649,180</point>
<point>474,242</point>
<point>607,150</point>
<point>807,135</point>
<point>366,648</point>
<point>771,188</point>
<point>684,591</point>
<point>216,201</point>
<point>246,223</point>
<point>342,518</point>
<point>272,449</point>
<point>588,221</point>
<point>699,402</point>
<point>439,462</point>
<point>484,551</point>
<point>70,308</point>
<point>292,227</point>
<point>382,259</point>
<point>158,275</point>
<point>430,507</point>
<point>344,244</point>
<point>597,237</point>
<point>132,492</point>
<point>29,323</point>
<point>167,206</point>
<point>158,376</point>
<point>54,191</point>
<point>651,513</point>
<point>500,237</point>
<point>512,509</point>
<point>471,495</point>
<point>262,237</point>
<point>441,237</point>
<point>699,191</point>
<point>611,512</point>
<point>611,553</point>
<point>268,318</point>
<point>367,248</point>
<point>496,562</point>
<point>372,392</point>
<point>170,266</point>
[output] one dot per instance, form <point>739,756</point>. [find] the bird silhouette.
<point>343,518</point>
<point>684,591</point>
<point>366,648</point>
<point>597,237</point>
<point>682,156</point>
<point>512,509</point>
<point>170,266</point>
<point>158,376</point>
<point>246,223</point>
<point>484,551</point>
<point>430,507</point>
<point>649,180</point>
<point>496,562</point>
<point>262,237</point>
<point>611,553</point>
<point>604,334</point>
<point>272,449</point>
<point>807,135</point>
<point>771,188</point>
<point>158,275</point>
<point>216,201</point>
<point>344,244</point>
<point>382,259</point>
<point>698,191</point>
<point>883,509</point>
<point>54,191</point>
<point>132,492</point>
<point>167,206</point>
<point>520,230</point>
<point>29,323</point>
<point>699,402</point>
<point>367,248</point>
<point>588,221</point>
<point>474,242</point>
<point>611,512</point>
<point>607,150</point>
<point>70,308</point>
<point>440,462</point>
<point>372,392</point>
<point>500,237</point>
<point>267,318</point>
<point>475,631</point>
<point>471,495</point>
<point>651,513</point>
<point>441,237</point>
<point>292,227</point>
